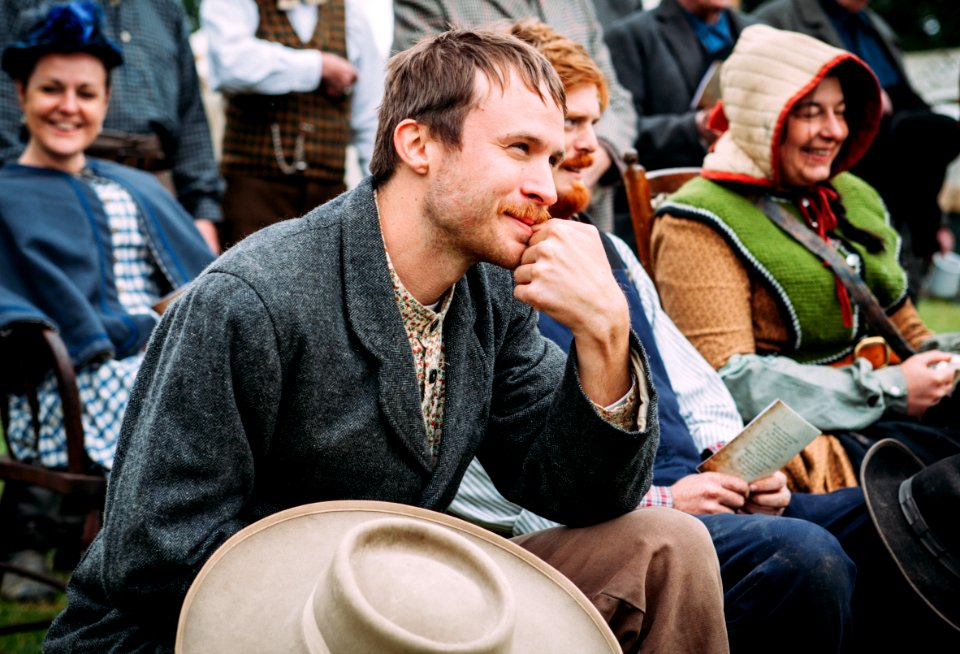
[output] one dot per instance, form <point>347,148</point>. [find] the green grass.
<point>940,315</point>
<point>17,612</point>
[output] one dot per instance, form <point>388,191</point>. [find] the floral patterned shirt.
<point>424,327</point>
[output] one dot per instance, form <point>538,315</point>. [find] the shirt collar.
<point>837,13</point>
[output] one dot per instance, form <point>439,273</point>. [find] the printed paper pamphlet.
<point>765,445</point>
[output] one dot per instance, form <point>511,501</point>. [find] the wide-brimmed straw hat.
<point>915,509</point>
<point>349,577</point>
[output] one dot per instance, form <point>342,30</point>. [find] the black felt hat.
<point>63,29</point>
<point>916,511</point>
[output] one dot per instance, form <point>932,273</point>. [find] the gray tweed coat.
<point>284,377</point>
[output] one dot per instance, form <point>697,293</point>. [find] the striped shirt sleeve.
<point>705,403</point>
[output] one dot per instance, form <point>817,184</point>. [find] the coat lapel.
<point>817,24</point>
<point>679,36</point>
<point>373,316</point>
<point>467,378</point>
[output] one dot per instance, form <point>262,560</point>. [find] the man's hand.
<point>338,75</point>
<point>769,495</point>
<point>927,383</point>
<point>945,240</point>
<point>564,273</point>
<point>208,230</point>
<point>707,135</point>
<point>710,492</point>
<point>886,104</point>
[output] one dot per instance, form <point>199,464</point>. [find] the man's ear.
<point>410,140</point>
<point>19,85</point>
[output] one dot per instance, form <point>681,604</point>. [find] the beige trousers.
<point>652,574</point>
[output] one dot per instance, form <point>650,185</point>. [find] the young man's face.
<point>484,198</point>
<point>583,112</point>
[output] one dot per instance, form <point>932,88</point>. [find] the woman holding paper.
<point>758,303</point>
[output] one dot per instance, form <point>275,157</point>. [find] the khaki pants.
<point>652,574</point>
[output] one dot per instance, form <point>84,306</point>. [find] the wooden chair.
<point>644,189</point>
<point>27,352</point>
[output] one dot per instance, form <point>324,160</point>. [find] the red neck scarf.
<point>815,205</point>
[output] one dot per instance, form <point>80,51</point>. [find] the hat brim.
<point>886,465</point>
<point>250,594</point>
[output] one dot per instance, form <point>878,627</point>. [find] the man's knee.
<point>792,559</point>
<point>668,528</point>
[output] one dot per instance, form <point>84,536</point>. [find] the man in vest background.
<point>791,563</point>
<point>301,81</point>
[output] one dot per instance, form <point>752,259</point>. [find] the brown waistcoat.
<point>313,129</point>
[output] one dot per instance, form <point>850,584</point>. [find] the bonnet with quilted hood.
<point>767,73</point>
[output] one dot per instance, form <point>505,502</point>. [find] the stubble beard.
<point>464,227</point>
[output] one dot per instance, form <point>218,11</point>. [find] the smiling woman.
<point>814,133</point>
<point>758,304</point>
<point>64,102</point>
<point>86,247</point>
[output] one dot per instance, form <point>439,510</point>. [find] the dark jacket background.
<point>659,59</point>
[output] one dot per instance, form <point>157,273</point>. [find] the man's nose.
<point>585,141</point>
<point>538,184</point>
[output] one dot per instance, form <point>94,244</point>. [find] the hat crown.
<point>74,27</point>
<point>73,24</point>
<point>936,493</point>
<point>396,585</point>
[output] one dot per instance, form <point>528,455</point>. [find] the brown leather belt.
<point>143,151</point>
<point>874,349</point>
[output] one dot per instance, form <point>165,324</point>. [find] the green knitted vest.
<point>803,287</point>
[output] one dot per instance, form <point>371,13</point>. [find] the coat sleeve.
<point>546,448</point>
<point>176,491</point>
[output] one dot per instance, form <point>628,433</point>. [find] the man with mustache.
<point>786,559</point>
<point>371,349</point>
<point>576,19</point>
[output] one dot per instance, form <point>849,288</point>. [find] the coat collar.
<point>372,314</point>
<point>679,35</point>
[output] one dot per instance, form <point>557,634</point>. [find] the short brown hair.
<point>570,59</point>
<point>434,83</point>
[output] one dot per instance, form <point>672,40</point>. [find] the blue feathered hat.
<point>64,29</point>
